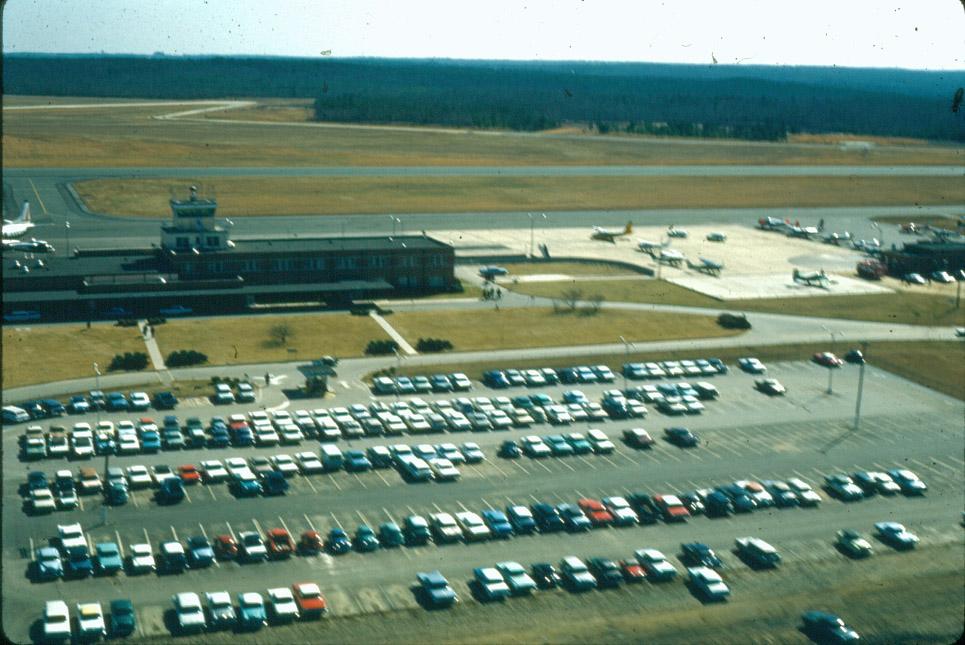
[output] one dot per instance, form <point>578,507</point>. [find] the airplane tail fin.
<point>24,213</point>
<point>628,229</point>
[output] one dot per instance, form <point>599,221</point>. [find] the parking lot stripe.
<point>534,498</point>
<point>257,526</point>
<point>211,492</point>
<point>462,506</point>
<point>175,534</point>
<point>539,462</point>
<point>940,474</point>
<point>334,481</point>
<point>498,469</point>
<point>131,496</point>
<point>609,461</point>
<point>563,463</point>
<point>579,494</point>
<point>335,519</point>
<point>32,549</point>
<point>436,506</point>
<point>670,455</point>
<point>309,522</point>
<point>516,463</point>
<point>231,531</point>
<point>384,480</point>
<point>707,449</point>
<point>359,479</point>
<point>308,480</point>
<point>120,544</point>
<point>625,456</point>
<point>186,495</point>
<point>283,525</point>
<point>944,465</point>
<point>586,461</point>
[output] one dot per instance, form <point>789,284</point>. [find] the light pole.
<point>67,238</point>
<point>830,368</point>
<point>532,233</point>
<point>626,360</point>
<point>857,405</point>
<point>107,453</point>
<point>392,218</point>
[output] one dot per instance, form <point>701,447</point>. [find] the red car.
<point>311,542</point>
<point>225,547</point>
<point>672,508</point>
<point>279,543</point>
<point>311,603</point>
<point>632,571</point>
<point>827,359</point>
<point>596,511</point>
<point>189,474</point>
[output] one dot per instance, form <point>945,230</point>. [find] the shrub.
<point>433,345</point>
<point>156,321</point>
<point>733,321</point>
<point>381,347</point>
<point>183,357</point>
<point>129,361</point>
<point>126,322</point>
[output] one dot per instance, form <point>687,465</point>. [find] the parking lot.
<point>744,435</point>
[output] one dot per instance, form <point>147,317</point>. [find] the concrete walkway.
<point>157,360</point>
<point>396,336</point>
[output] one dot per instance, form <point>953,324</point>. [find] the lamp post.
<point>67,238</point>
<point>107,453</point>
<point>392,219</point>
<point>857,405</point>
<point>626,359</point>
<point>532,233</point>
<point>831,369</point>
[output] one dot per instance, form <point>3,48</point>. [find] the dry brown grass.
<point>312,335</point>
<point>130,137</point>
<point>845,138</point>
<point>513,328</point>
<point>568,268</point>
<point>41,354</point>
<point>339,195</point>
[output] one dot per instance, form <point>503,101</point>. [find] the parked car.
<point>436,590</point>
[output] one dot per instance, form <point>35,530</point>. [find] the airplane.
<point>815,278</point>
<point>490,273</point>
<point>28,246</point>
<point>870,247</point>
<point>806,232</point>
<point>611,234</point>
<point>672,257</point>
<point>837,238</point>
<point>706,266</point>
<point>649,247</point>
<point>771,224</point>
<point>18,227</point>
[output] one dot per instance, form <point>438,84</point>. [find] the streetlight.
<point>830,368</point>
<point>107,453</point>
<point>857,405</point>
<point>532,232</point>
<point>67,237</point>
<point>626,356</point>
<point>392,219</point>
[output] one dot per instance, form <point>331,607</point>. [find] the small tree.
<point>572,297</point>
<point>594,301</point>
<point>280,333</point>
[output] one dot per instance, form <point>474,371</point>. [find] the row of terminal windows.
<point>341,263</point>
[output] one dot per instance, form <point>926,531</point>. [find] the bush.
<point>126,322</point>
<point>733,321</point>
<point>156,321</point>
<point>183,357</point>
<point>433,345</point>
<point>381,347</point>
<point>129,361</point>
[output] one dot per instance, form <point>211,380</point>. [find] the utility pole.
<point>626,359</point>
<point>857,405</point>
<point>107,453</point>
<point>67,238</point>
<point>830,369</point>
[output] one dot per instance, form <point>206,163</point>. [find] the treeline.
<point>680,100</point>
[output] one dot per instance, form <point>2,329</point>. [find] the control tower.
<point>193,227</point>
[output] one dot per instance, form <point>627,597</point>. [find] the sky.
<point>913,34</point>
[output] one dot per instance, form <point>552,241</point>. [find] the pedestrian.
<point>267,378</point>
<point>821,225</point>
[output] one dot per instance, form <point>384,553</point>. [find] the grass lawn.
<point>900,307</point>
<point>513,328</point>
<point>935,221</point>
<point>41,354</point>
<point>120,137</point>
<point>939,365</point>
<point>244,196</point>
<point>567,268</point>
<point>311,336</point>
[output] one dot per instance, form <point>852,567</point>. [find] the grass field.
<point>901,307</point>
<point>42,354</point>
<point>311,336</point>
<point>568,268</point>
<point>939,365</point>
<point>538,327</point>
<point>115,137</point>
<point>240,197</point>
<point>936,221</point>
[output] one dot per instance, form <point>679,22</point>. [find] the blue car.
<point>117,402</point>
<point>338,542</point>
<point>78,404</point>
<point>116,493</point>
<point>200,553</point>
<point>496,379</point>
<point>219,437</point>
<point>251,611</point>
<point>365,539</point>
<point>49,564</point>
<point>356,461</point>
<point>391,535</point>
<point>54,407</point>
<point>150,441</point>
<point>171,491</point>
<point>246,487</point>
<point>274,483</point>
<point>498,523</point>
<point>79,563</point>
<point>36,480</point>
<point>123,618</point>
<point>108,558</point>
<point>104,444</point>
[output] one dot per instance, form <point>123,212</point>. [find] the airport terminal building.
<point>198,266</point>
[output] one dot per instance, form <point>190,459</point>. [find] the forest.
<point>733,101</point>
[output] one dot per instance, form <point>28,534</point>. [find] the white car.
<point>128,443</point>
<point>619,507</point>
<point>600,442</point>
<point>252,546</point>
<point>709,583</point>
<point>290,434</point>
<point>516,577</point>
<point>896,534</point>
<point>266,436</point>
<point>82,443</point>
<point>655,564</point>
<point>254,415</point>
<point>213,471</point>
<point>139,401</point>
<point>71,535</point>
<point>221,613</point>
<point>189,613</point>
<point>310,463</point>
<point>139,476</point>
<point>445,527</point>
<point>236,465</point>
<point>90,620</point>
<point>805,493</point>
<point>473,526</point>
<point>285,465</point>
<point>535,447</point>
<point>223,394</point>
<point>443,469</point>
<point>491,583</point>
<point>142,558</point>
<point>56,621</point>
<point>460,381</point>
<point>282,604</point>
<point>42,501</point>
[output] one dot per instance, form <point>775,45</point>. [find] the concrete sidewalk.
<point>396,336</point>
